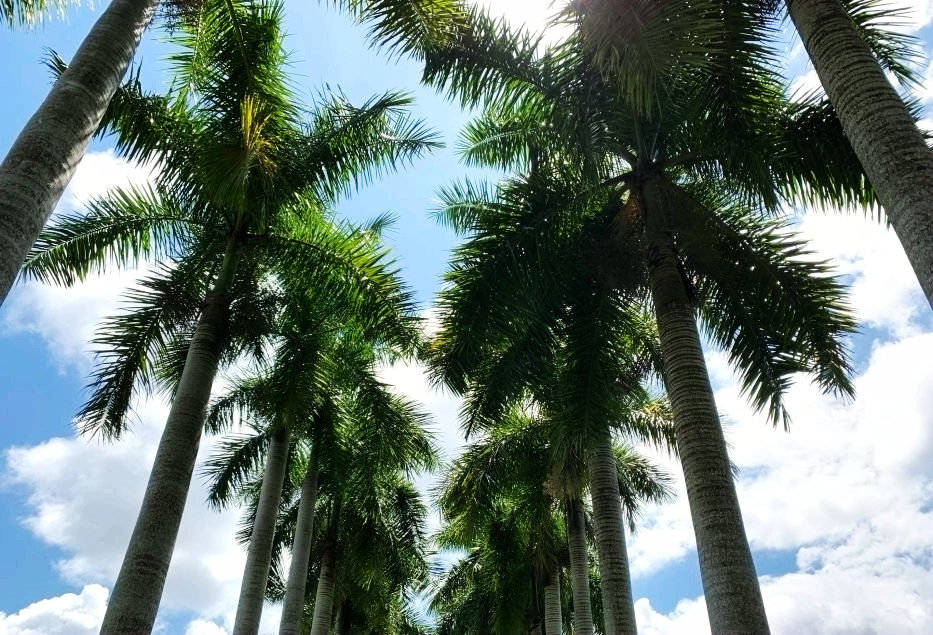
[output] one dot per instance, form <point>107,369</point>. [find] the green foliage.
<point>241,174</point>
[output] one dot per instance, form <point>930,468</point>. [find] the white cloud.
<point>68,614</point>
<point>67,317</point>
<point>884,290</point>
<point>204,627</point>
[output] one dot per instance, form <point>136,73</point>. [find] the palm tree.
<point>850,49</point>
<point>673,183</point>
<point>244,188</point>
<point>369,535</point>
<point>880,126</point>
<point>46,153</point>
<point>517,472</point>
<point>315,360</point>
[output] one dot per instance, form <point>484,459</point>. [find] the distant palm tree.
<point>245,183</point>
<point>369,536</point>
<point>514,477</point>
<point>317,365</point>
<point>662,191</point>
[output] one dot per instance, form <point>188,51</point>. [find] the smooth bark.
<point>618,606</point>
<point>553,621</point>
<point>878,124</point>
<point>293,607</point>
<point>324,600</point>
<point>259,557</point>
<point>344,619</point>
<point>138,590</point>
<point>579,569</point>
<point>44,157</point>
<point>733,595</point>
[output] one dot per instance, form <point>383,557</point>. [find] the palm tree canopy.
<point>242,174</point>
<point>587,155</point>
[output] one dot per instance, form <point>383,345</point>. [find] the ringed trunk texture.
<point>579,569</point>
<point>553,622</point>
<point>618,606</point>
<point>138,590</point>
<point>44,157</point>
<point>259,557</point>
<point>733,596</point>
<point>293,607</point>
<point>324,600</point>
<point>878,125</point>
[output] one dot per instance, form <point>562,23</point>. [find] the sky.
<point>839,511</point>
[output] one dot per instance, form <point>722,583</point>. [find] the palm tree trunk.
<point>138,589</point>
<point>344,619</point>
<point>878,125</point>
<point>259,557</point>
<point>324,600</point>
<point>579,569</point>
<point>618,607</point>
<point>553,622</point>
<point>733,596</point>
<point>293,608</point>
<point>44,157</point>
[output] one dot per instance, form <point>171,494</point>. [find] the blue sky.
<point>838,512</point>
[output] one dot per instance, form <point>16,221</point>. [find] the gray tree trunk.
<point>618,606</point>
<point>579,569</point>
<point>259,557</point>
<point>138,590</point>
<point>883,134</point>
<point>344,620</point>
<point>553,621</point>
<point>324,600</point>
<point>44,157</point>
<point>293,607</point>
<point>733,596</point>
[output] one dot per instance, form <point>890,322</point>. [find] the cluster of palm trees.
<point>648,156</point>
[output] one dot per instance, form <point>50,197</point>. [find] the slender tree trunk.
<point>579,569</point>
<point>324,600</point>
<point>344,619</point>
<point>138,589</point>
<point>259,557</point>
<point>293,607</point>
<point>618,607</point>
<point>553,622</point>
<point>733,596</point>
<point>878,125</point>
<point>44,157</point>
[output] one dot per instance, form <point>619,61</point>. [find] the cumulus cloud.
<point>68,614</point>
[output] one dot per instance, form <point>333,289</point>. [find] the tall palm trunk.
<point>733,596</point>
<point>44,157</point>
<point>553,622</point>
<point>579,569</point>
<point>618,607</point>
<point>293,607</point>
<point>259,557</point>
<point>324,600</point>
<point>344,619</point>
<point>878,125</point>
<point>138,589</point>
